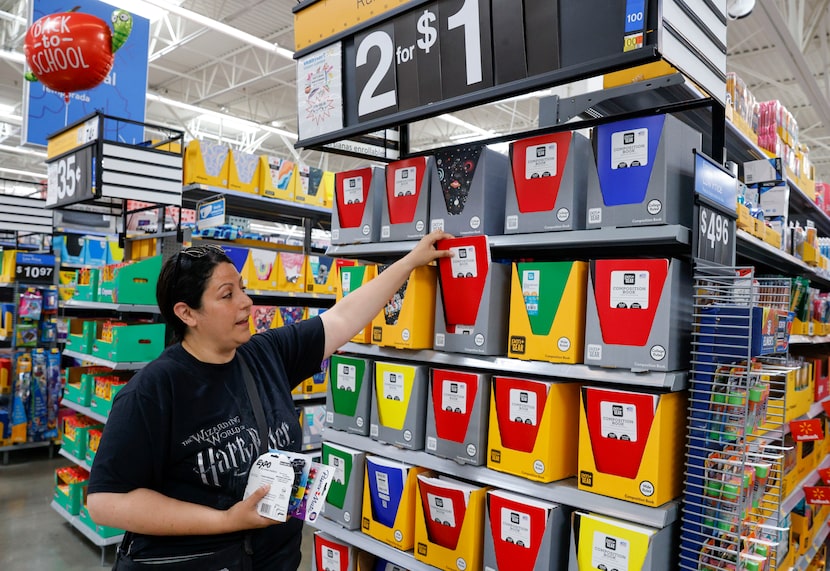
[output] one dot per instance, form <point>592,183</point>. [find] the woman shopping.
<point>174,458</point>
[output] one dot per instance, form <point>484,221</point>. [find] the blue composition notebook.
<point>386,482</point>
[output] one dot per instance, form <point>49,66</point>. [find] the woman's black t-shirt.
<point>186,429</point>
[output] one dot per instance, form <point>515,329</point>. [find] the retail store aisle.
<point>33,537</point>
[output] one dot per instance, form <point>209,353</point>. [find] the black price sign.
<point>70,178</point>
<point>715,236</point>
<point>35,268</point>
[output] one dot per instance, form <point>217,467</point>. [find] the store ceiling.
<point>781,51</point>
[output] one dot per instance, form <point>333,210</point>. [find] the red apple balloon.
<point>69,51</point>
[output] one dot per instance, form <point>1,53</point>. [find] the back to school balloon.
<point>69,51</point>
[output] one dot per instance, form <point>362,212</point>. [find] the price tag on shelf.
<point>34,268</point>
<point>807,430</point>
<point>715,212</point>
<point>71,178</point>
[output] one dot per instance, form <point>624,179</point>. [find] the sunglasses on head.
<point>194,253</point>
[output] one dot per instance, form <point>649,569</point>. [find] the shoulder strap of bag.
<point>256,403</point>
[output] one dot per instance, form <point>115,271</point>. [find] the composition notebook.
<point>342,459</point>
<point>386,485</point>
<point>520,404</point>
<point>462,278</point>
<point>453,396</point>
<point>393,386</point>
<point>445,503</point>
<point>605,543</point>
<point>619,423</point>
<point>518,524</point>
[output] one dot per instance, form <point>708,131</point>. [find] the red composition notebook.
<point>518,525</point>
<point>351,189</point>
<point>619,423</point>
<point>520,404</point>
<point>627,293</point>
<point>403,188</point>
<point>330,555</point>
<point>453,396</point>
<point>537,165</point>
<point>444,501</point>
<point>462,278</point>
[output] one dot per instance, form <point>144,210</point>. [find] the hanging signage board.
<point>210,212</point>
<point>34,268</point>
<point>71,178</point>
<point>713,235</point>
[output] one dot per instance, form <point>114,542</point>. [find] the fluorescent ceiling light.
<point>202,112</point>
<point>17,190</point>
<point>222,28</point>
<point>232,122</point>
<point>23,173</point>
<point>469,126</point>
<point>22,151</point>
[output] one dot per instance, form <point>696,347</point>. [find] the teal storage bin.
<point>131,343</point>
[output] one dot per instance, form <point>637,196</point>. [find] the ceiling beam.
<point>771,18</point>
<point>818,15</point>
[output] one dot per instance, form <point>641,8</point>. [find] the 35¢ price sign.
<point>34,268</point>
<point>436,52</point>
<point>70,178</point>
<point>715,236</point>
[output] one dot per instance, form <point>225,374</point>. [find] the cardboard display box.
<point>356,212</point>
<point>531,429</point>
<point>351,278</point>
<point>390,490</point>
<point>638,314</point>
<point>645,172</point>
<point>330,554</point>
<point>260,271</point>
<point>457,416</point>
<point>449,523</point>
<point>598,541</point>
<point>549,183</point>
<point>243,172</point>
<point>472,301</point>
<point>320,275</point>
<point>349,394</point>
<point>407,321</point>
<point>345,498</point>
<point>405,209</point>
<point>290,272</point>
<point>631,444</point>
<point>547,311</point>
<point>399,401</point>
<point>308,185</point>
<point>206,163</point>
<point>276,178</point>
<point>524,534</point>
<point>469,199</point>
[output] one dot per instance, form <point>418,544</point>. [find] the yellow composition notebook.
<point>605,543</point>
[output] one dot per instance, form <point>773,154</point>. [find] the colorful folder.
<point>357,204</point>
<point>407,321</point>
<point>349,394</point>
<point>332,555</point>
<point>399,404</point>
<point>449,523</point>
<point>599,542</point>
<point>406,200</point>
<point>389,495</point>
<point>345,498</point>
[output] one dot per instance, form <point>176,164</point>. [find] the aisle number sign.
<point>397,67</point>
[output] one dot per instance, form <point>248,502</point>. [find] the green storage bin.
<point>103,405</point>
<point>69,496</point>
<point>79,384</point>
<point>101,530</point>
<point>87,292</point>
<point>132,343</point>
<point>82,334</point>
<point>133,283</point>
<point>75,439</point>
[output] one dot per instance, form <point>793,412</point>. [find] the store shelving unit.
<point>75,521</point>
<point>674,380</point>
<point>114,365</point>
<point>103,306</point>
<point>564,492</point>
<point>253,205</point>
<point>6,450</point>
<point>85,410</point>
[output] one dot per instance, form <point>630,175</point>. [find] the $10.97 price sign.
<point>34,268</point>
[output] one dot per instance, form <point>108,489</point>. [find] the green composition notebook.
<point>553,277</point>
<point>341,459</point>
<point>346,380</point>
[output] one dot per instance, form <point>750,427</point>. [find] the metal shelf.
<point>75,459</point>
<point>362,541</point>
<point>253,205</point>
<point>750,247</point>
<point>563,492</point>
<point>289,294</point>
<point>809,339</point>
<point>669,235</point>
<point>84,410</point>
<point>5,450</point>
<point>804,561</point>
<point>313,396</point>
<point>114,365</point>
<point>125,307</point>
<point>789,503</point>
<point>75,521</point>
<point>674,381</point>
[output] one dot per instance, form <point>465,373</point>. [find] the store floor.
<point>33,537</point>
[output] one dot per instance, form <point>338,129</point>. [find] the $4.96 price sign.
<point>435,52</point>
<point>715,236</point>
<point>34,268</point>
